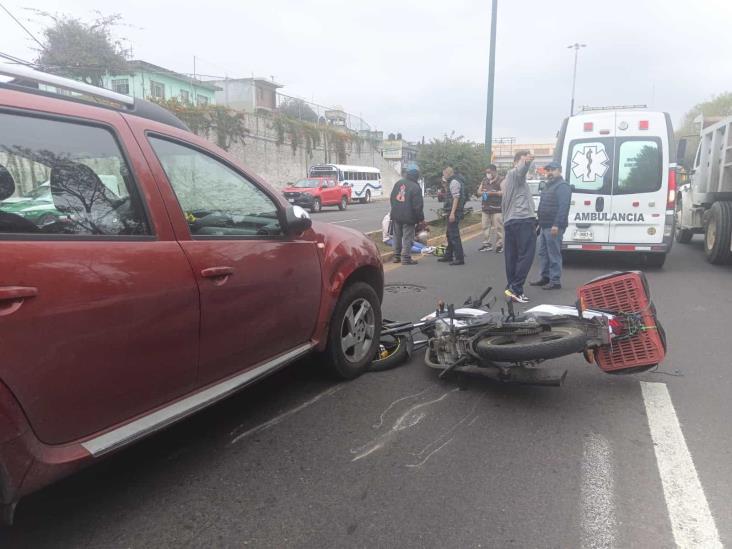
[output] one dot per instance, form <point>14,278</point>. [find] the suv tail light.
<point>671,201</point>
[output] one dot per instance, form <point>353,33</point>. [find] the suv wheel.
<point>317,206</point>
<point>355,329</point>
<point>344,203</point>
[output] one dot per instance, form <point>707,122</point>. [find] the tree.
<point>720,105</point>
<point>82,50</point>
<point>467,157</point>
<point>300,110</point>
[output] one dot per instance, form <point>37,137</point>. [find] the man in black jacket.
<point>553,216</point>
<point>407,209</point>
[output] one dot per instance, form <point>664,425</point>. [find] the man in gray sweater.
<point>519,222</point>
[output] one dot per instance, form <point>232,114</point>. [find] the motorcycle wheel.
<point>559,341</point>
<point>393,351</point>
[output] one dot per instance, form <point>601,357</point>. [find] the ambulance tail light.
<point>643,125</point>
<point>589,126</point>
<point>671,202</point>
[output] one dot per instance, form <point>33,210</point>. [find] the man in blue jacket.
<point>553,217</point>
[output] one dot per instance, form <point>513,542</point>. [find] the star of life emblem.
<point>590,163</point>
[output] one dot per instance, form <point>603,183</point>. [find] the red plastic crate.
<point>626,292</point>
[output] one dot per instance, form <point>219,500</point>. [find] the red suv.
<point>316,192</point>
<point>171,277</point>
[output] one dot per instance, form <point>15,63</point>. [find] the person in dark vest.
<point>407,209</point>
<point>455,200</point>
<point>553,219</point>
<point>491,194</point>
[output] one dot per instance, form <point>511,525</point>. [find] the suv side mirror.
<point>297,220</point>
<point>681,151</point>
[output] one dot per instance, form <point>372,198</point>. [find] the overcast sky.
<point>420,66</point>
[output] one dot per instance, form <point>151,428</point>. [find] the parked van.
<point>617,161</point>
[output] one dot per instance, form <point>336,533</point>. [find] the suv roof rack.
<point>26,80</point>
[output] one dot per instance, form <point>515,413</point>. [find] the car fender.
<point>346,255</point>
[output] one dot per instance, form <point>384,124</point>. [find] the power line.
<point>22,26</point>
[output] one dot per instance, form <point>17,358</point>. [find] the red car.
<point>174,277</point>
<point>316,192</point>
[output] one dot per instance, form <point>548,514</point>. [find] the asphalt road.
<point>402,459</point>
<point>368,217</point>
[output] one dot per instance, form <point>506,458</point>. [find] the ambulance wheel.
<point>655,261</point>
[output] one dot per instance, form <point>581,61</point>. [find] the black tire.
<point>717,231</point>
<point>343,204</point>
<point>656,260</point>
<point>341,364</point>
<point>317,206</point>
<point>559,341</point>
<point>682,236</point>
<point>399,348</point>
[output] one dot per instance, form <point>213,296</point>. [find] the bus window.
<point>639,167</point>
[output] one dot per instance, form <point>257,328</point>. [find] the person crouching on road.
<point>492,219</point>
<point>519,221</point>
<point>553,220</point>
<point>455,199</point>
<point>407,209</point>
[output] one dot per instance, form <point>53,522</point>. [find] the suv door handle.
<point>217,272</point>
<point>12,297</point>
<point>17,292</point>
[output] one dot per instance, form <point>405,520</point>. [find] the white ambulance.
<point>617,161</point>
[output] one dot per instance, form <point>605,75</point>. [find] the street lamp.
<point>576,47</point>
<point>491,84</point>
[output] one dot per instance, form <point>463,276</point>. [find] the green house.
<point>149,81</point>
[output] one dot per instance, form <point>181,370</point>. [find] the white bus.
<point>624,184</point>
<point>365,181</point>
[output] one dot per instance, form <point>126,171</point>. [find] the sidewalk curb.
<point>466,232</point>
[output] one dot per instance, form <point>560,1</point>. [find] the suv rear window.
<point>65,178</point>
<point>639,166</point>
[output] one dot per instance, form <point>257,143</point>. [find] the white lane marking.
<point>691,519</point>
<point>278,419</point>
<point>433,452</point>
<point>598,506</point>
<point>344,221</point>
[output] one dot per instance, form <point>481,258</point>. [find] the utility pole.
<point>576,47</point>
<point>491,85</point>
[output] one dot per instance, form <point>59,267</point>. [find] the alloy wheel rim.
<point>357,330</point>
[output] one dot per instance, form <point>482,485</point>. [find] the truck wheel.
<point>683,236</point>
<point>344,203</point>
<point>355,330</point>
<point>717,232</point>
<point>317,206</point>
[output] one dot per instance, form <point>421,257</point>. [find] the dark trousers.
<point>403,240</point>
<point>519,248</point>
<point>550,255</point>
<point>454,249</point>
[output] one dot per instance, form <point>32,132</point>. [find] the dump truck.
<point>704,203</point>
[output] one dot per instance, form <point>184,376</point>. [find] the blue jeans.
<point>519,247</point>
<point>550,255</point>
